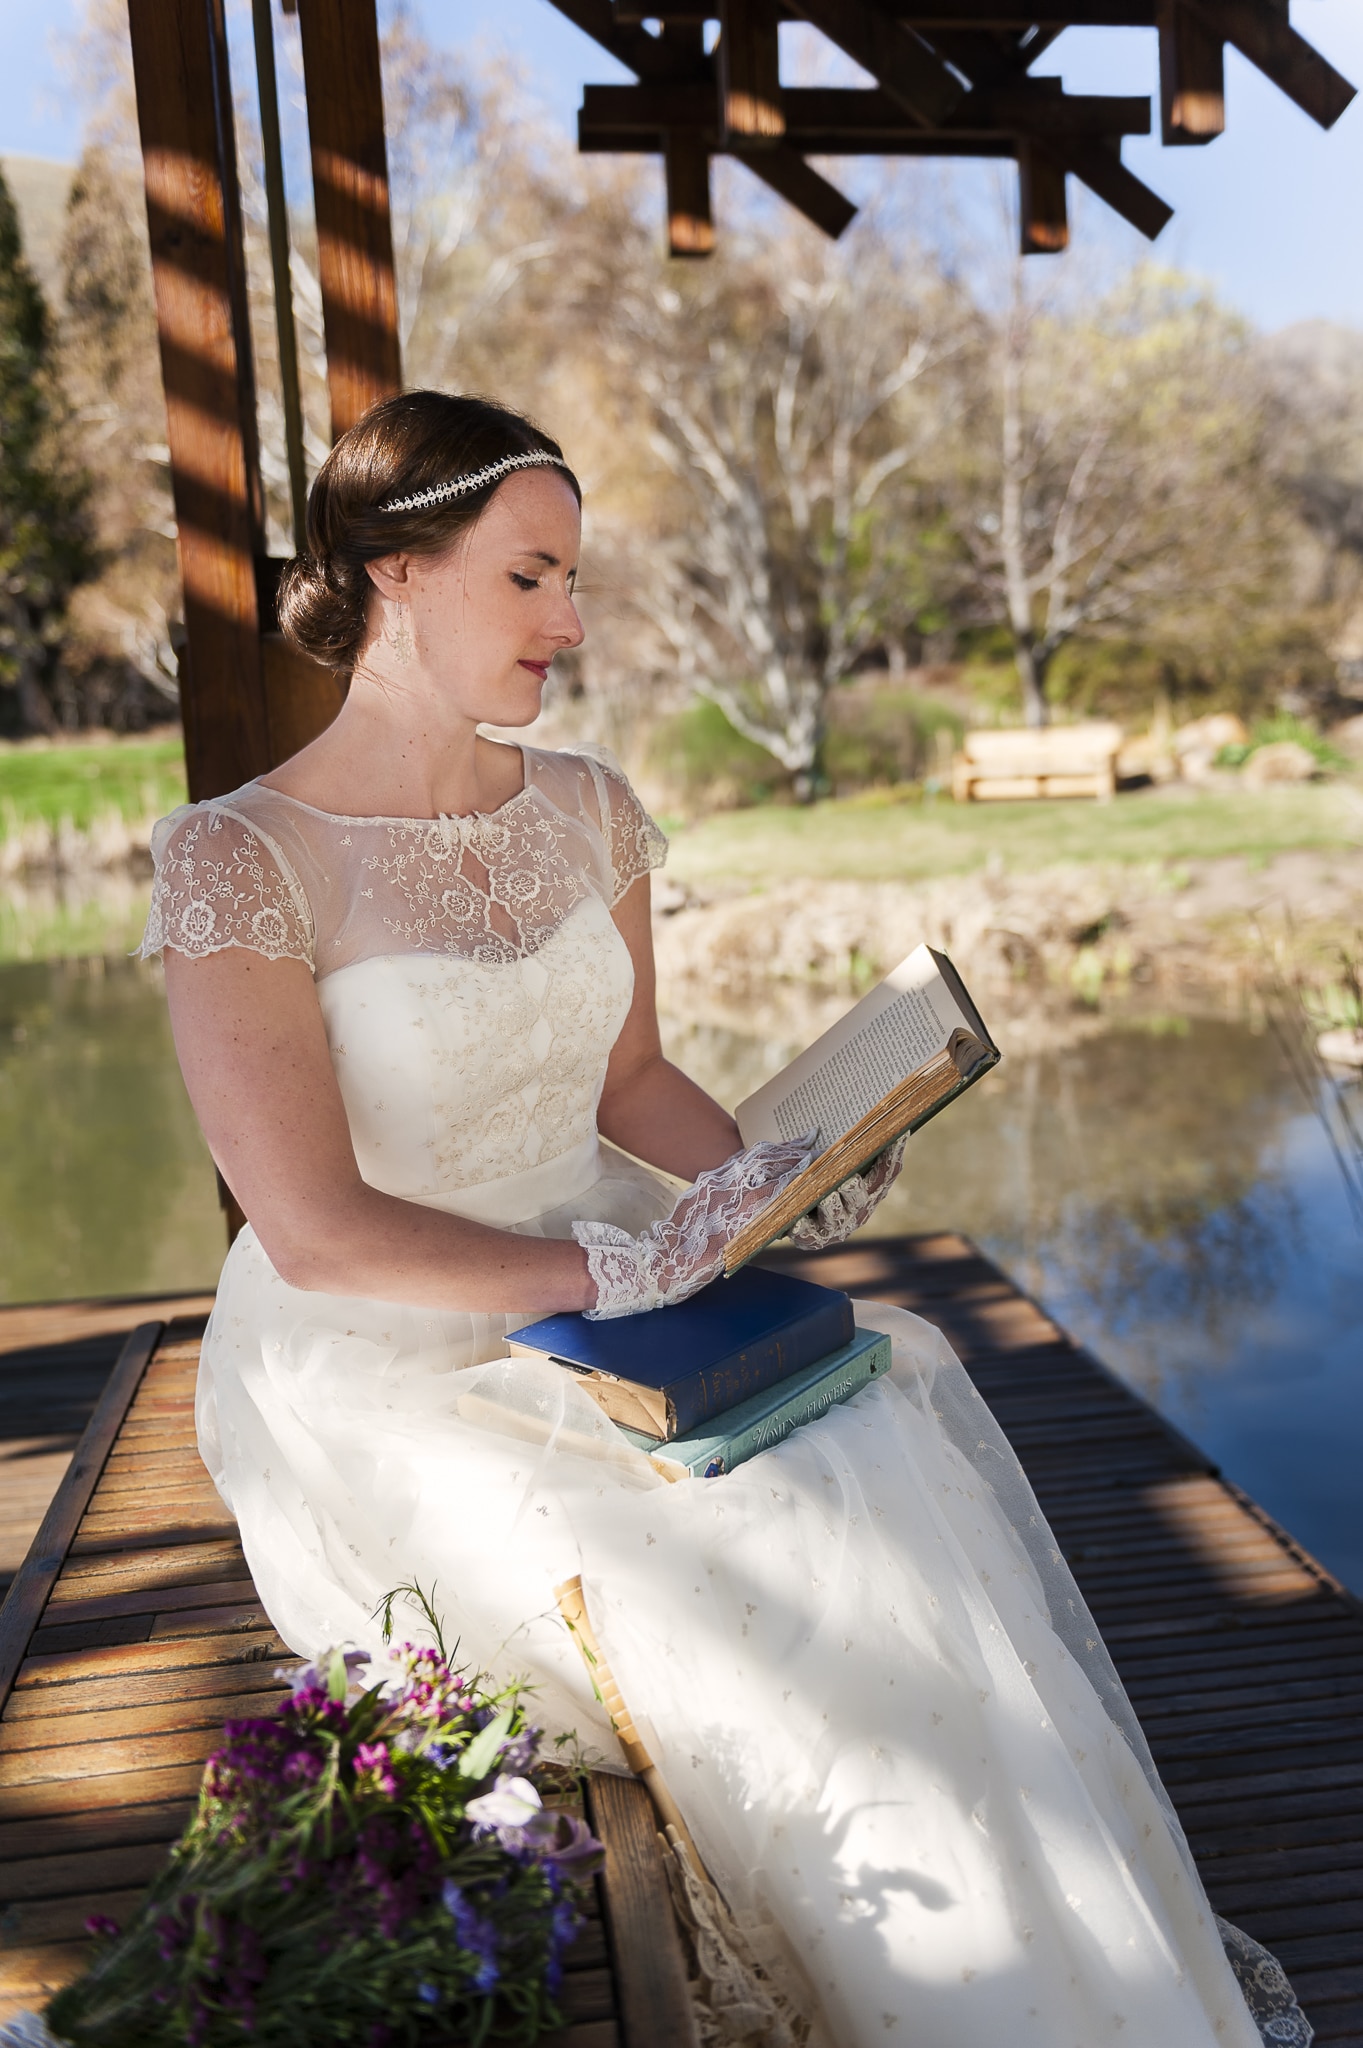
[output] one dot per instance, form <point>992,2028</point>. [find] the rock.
<point>1348,737</point>
<point>1342,1048</point>
<point>1280,761</point>
<point>1208,735</point>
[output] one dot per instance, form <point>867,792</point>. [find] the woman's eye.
<point>525,582</point>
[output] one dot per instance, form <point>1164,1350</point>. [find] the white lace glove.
<point>849,1206</point>
<point>677,1257</point>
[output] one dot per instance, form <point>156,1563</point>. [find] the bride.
<point>411,982</point>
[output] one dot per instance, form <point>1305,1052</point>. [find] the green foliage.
<point>46,546</point>
<point>136,778</point>
<point>884,737</point>
<point>710,766</point>
<point>1285,726</point>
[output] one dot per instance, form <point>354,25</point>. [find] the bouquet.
<point>369,1866</point>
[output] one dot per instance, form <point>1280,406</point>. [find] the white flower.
<point>512,1803</point>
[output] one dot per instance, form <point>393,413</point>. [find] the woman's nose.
<point>569,629</point>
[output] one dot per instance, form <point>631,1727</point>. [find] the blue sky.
<point>1271,212</point>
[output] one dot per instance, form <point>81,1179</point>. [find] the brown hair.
<point>401,446</point>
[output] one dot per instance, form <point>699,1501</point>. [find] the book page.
<point>899,1027</point>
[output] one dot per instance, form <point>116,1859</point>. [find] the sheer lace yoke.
<point>262,870</point>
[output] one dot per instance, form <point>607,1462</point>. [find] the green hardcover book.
<point>765,1418</point>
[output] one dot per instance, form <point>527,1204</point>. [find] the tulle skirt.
<point>859,1660</point>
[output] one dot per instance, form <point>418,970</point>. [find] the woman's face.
<point>488,617</point>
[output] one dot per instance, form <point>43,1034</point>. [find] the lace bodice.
<point>470,977</point>
<point>264,871</point>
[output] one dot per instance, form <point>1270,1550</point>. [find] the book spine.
<point>751,1371</point>
<point>806,1406</point>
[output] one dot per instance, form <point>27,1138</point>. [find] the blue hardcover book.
<point>756,1424</point>
<point>674,1369</point>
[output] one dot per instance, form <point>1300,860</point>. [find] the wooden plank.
<point>1260,31</point>
<point>690,219</point>
<point>654,2004</point>
<point>749,74</point>
<point>344,88</point>
<point>184,112</point>
<point>91,1831</point>
<point>1192,76</point>
<point>38,1573</point>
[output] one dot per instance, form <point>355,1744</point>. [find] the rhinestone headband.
<point>460,486</point>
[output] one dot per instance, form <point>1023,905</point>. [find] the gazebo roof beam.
<point>855,118</point>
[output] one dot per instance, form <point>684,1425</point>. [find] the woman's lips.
<point>536,668</point>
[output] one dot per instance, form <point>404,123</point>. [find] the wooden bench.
<point>1056,760</point>
<point>131,1632</point>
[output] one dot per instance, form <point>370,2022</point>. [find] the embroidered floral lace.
<point>263,871</point>
<point>851,1205</point>
<point>675,1258</point>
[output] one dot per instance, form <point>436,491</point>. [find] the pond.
<point>1161,1185</point>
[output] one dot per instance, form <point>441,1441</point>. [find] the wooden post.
<point>1192,76</point>
<point>690,223</point>
<point>344,90</point>
<point>184,113</point>
<point>749,73</point>
<point>1042,214</point>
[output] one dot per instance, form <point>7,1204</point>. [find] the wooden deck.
<point>134,1630</point>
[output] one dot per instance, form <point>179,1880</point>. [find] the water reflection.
<point>1163,1188</point>
<point>105,1182</point>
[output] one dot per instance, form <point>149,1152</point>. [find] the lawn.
<point>878,839</point>
<point>137,778</point>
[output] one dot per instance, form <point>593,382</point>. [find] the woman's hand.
<point>849,1206</point>
<point>677,1257</point>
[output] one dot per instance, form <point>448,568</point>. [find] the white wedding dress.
<point>859,1660</point>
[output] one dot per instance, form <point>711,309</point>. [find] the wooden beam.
<point>841,120</point>
<point>909,72</point>
<point>184,113</point>
<point>344,89</point>
<point>1192,74</point>
<point>1103,171</point>
<point>801,186</point>
<point>690,220</point>
<point>1260,31</point>
<point>1017,14</point>
<point>749,74</point>
<point>1043,219</point>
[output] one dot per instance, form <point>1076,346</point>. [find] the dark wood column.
<point>184,111</point>
<point>344,90</point>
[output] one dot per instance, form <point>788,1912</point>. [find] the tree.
<point>1115,473</point>
<point>126,619</point>
<point>783,387</point>
<point>45,541</point>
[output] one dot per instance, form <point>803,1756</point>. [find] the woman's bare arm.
<point>648,1106</point>
<point>254,1055</point>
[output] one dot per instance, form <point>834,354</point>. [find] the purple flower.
<point>372,1766</point>
<point>99,1924</point>
<point>475,1934</point>
<point>429,1994</point>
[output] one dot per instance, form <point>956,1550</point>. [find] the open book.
<point>903,1053</point>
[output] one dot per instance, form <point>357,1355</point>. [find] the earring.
<point>399,634</point>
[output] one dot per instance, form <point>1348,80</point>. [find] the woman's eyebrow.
<point>539,555</point>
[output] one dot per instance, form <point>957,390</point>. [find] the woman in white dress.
<point>411,982</point>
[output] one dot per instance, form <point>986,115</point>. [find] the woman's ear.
<point>390,575</point>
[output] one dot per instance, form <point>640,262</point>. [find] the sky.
<point>1270,212</point>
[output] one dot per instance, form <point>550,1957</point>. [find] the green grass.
<point>136,778</point>
<point>878,839</point>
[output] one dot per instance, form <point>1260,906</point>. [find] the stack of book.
<point>708,1383</point>
<point>704,1385</point>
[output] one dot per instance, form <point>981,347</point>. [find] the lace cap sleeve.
<point>635,844</point>
<point>221,882</point>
